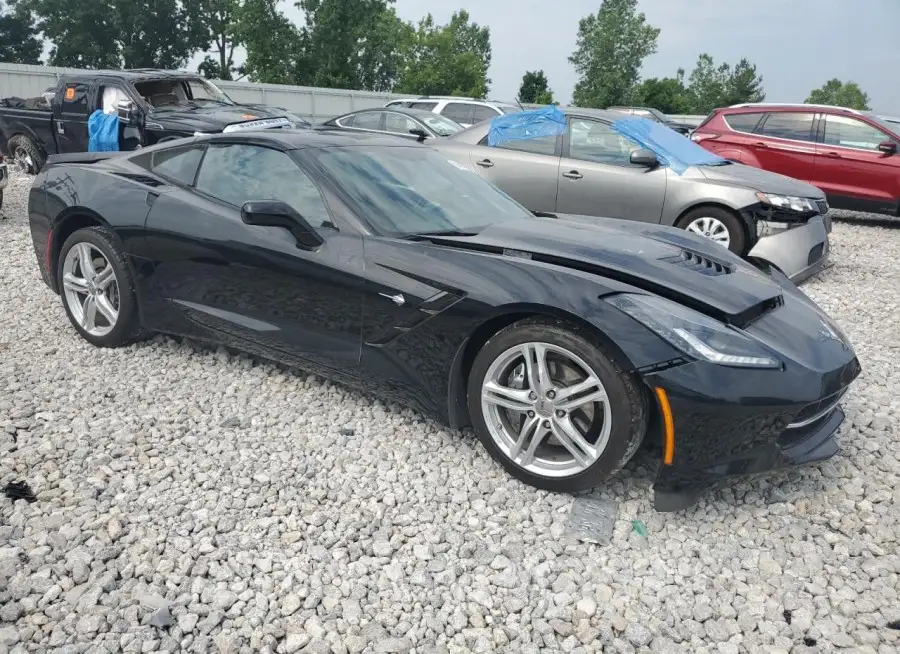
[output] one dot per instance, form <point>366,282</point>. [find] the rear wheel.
<point>717,224</point>
<point>554,407</point>
<point>97,288</point>
<point>26,154</point>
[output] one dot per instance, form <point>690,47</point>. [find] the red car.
<point>853,156</point>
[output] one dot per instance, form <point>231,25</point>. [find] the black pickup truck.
<point>152,105</point>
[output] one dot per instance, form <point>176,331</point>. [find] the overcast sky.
<point>796,45</point>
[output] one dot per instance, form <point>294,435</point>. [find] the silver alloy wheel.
<point>24,161</point>
<point>91,289</point>
<point>546,409</point>
<point>711,228</point>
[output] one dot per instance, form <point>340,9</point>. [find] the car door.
<point>597,178</point>
<point>526,169</point>
<point>72,112</point>
<point>254,283</point>
<point>785,144</point>
<point>851,169</point>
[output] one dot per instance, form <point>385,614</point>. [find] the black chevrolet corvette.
<point>564,341</point>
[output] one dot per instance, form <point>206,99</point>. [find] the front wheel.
<point>554,407</point>
<point>717,224</point>
<point>97,288</point>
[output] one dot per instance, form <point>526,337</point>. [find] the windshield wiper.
<point>417,236</point>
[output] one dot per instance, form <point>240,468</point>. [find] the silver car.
<point>592,170</point>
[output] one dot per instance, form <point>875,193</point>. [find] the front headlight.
<point>693,333</point>
<point>787,202</point>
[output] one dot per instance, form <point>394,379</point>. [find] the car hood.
<point>670,262</point>
<point>212,118</point>
<point>761,180</point>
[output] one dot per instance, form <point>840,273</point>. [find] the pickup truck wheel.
<point>26,154</point>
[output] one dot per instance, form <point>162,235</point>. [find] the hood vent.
<point>699,263</point>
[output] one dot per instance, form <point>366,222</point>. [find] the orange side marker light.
<point>668,425</point>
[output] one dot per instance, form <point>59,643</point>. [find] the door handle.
<point>485,163</point>
<point>60,129</point>
<point>762,145</point>
<point>398,299</point>
<point>573,174</point>
<point>833,155</point>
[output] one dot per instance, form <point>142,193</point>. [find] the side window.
<point>461,112</point>
<point>75,100</point>
<point>398,123</point>
<point>427,106</point>
<point>591,140</point>
<point>541,145</point>
<point>177,164</point>
<point>743,122</point>
<point>789,125</point>
<point>484,113</point>
<point>368,120</point>
<point>240,173</point>
<point>848,132</point>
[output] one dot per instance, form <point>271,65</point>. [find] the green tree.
<point>216,28</point>
<point>744,85</point>
<point>450,59</point>
<point>535,89</point>
<point>19,42</point>
<point>274,45</point>
<point>840,94</point>
<point>668,94</point>
<point>351,44</point>
<point>81,33</point>
<point>609,53</point>
<point>712,86</point>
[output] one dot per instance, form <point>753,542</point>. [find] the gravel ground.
<point>189,500</point>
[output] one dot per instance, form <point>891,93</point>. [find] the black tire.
<point>736,229</point>
<point>628,401</point>
<point>127,328</point>
<point>24,143</point>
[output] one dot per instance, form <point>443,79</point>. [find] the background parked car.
<point>465,111</point>
<point>851,155</point>
<point>402,122</point>
<point>655,115</point>
<point>593,170</point>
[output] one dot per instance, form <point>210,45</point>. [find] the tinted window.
<point>398,123</point>
<point>74,100</point>
<point>852,133</point>
<point>795,126</point>
<point>240,173</point>
<point>177,164</point>
<point>743,122</point>
<point>540,145</point>
<point>484,113</point>
<point>591,140</point>
<point>368,120</point>
<point>459,111</point>
<point>427,106</point>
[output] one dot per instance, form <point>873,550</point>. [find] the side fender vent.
<point>141,179</point>
<point>699,263</point>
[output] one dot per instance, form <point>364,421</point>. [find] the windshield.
<point>178,93</point>
<point>406,190</point>
<point>441,126</point>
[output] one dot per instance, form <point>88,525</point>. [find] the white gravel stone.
<point>272,511</point>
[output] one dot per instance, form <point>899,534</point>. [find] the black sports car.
<point>564,341</point>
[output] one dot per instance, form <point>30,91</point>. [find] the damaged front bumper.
<point>799,250</point>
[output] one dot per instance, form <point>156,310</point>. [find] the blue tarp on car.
<point>103,132</point>
<point>532,124</point>
<point>670,147</point>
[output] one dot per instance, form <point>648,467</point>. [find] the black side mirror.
<point>421,133</point>
<point>275,213</point>
<point>888,147</point>
<point>644,158</point>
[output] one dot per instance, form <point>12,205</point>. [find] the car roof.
<point>137,74</point>
<point>602,114</point>
<point>399,110</point>
<point>307,138</point>
<point>791,106</point>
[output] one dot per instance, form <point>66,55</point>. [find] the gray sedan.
<point>592,170</point>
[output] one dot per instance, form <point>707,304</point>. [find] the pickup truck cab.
<point>153,106</point>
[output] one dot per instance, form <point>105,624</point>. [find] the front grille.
<point>815,254</point>
<point>817,410</point>
<point>699,263</point>
<point>822,205</point>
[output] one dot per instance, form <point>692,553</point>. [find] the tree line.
<point>365,45</point>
